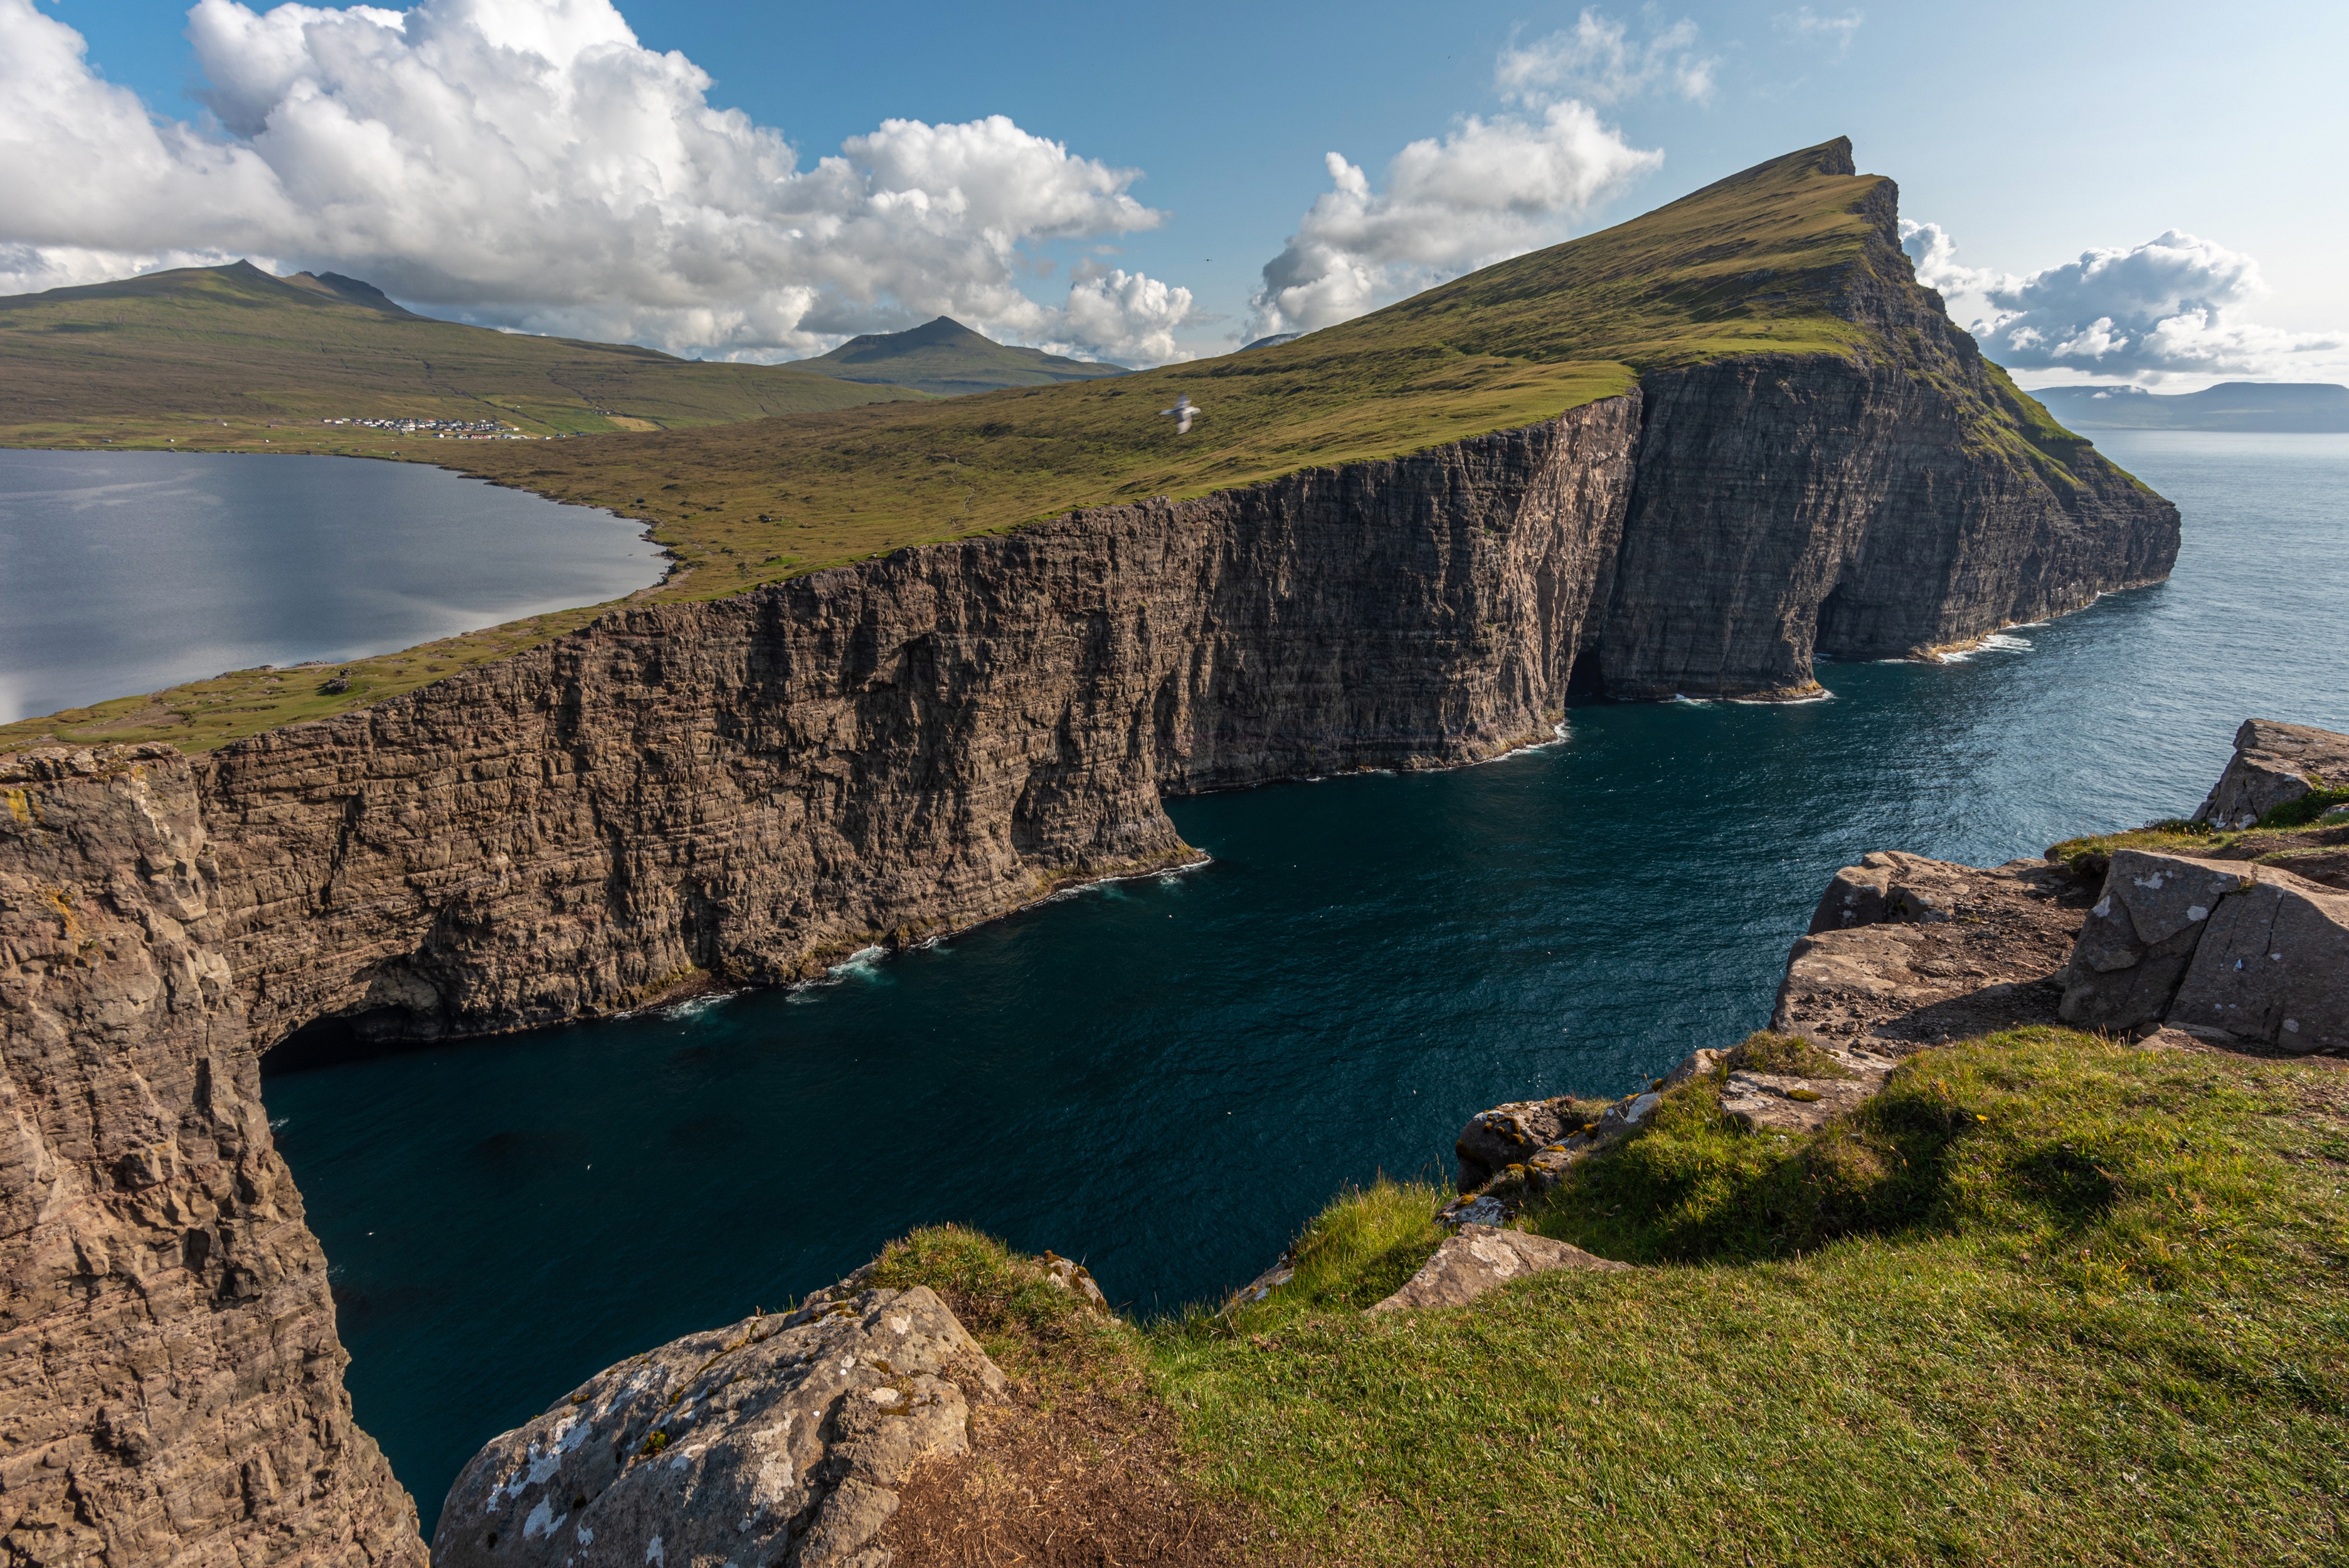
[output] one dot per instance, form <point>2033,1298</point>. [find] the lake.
<point>1168,1078</point>
<point>125,572</point>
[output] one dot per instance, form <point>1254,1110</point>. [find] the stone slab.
<point>1479,1259</point>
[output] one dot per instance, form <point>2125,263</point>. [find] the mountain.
<point>147,355</point>
<point>947,357</point>
<point>2289,407</point>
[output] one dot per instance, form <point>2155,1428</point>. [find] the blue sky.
<point>2029,133</point>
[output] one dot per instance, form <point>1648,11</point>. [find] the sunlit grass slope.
<point>1746,265</point>
<point>2048,1299</point>
<point>176,353</point>
<point>1753,264</point>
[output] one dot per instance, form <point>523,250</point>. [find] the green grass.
<point>1759,264</point>
<point>218,356</point>
<point>2047,1299</point>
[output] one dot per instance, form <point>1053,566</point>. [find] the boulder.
<point>1477,1259</point>
<point>2272,967</point>
<point>2222,949</point>
<point>2140,935</point>
<point>1512,1134</point>
<point>777,1442</point>
<point>2274,764</point>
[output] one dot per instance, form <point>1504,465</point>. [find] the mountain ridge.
<point>945,357</point>
<point>2287,408</point>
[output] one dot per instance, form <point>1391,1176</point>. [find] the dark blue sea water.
<point>130,572</point>
<point>1166,1078</point>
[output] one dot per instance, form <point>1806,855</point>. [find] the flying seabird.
<point>1184,410</point>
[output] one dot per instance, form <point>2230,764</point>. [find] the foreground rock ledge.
<point>777,1442</point>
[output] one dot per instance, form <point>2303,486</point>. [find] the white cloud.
<point>1806,22</point>
<point>528,163</point>
<point>2172,306</point>
<point>1489,190</point>
<point>1595,59</point>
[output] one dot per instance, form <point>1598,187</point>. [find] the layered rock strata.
<point>171,1385</point>
<point>746,788</point>
<point>1892,502</point>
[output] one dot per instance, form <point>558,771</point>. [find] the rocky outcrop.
<point>2232,951</point>
<point>1477,1260</point>
<point>1905,952</point>
<point>171,1385</point>
<point>776,1440</point>
<point>2274,765</point>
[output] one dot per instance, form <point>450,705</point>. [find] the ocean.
<point>1166,1078</point>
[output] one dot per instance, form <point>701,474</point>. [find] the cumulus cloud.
<point>1489,190</point>
<point>1595,59</point>
<point>2171,306</point>
<point>529,163</point>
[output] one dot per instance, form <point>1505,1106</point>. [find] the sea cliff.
<point>748,787</point>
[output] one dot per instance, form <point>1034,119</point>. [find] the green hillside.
<point>179,353</point>
<point>1752,264</point>
<point>949,358</point>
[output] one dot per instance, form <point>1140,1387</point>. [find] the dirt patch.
<point>1064,1479</point>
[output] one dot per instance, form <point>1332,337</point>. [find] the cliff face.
<point>171,1385</point>
<point>1897,502</point>
<point>747,789</point>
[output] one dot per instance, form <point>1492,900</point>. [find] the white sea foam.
<point>1996,642</point>
<point>694,1007</point>
<point>1822,696</point>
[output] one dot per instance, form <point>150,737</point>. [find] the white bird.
<point>1185,411</point>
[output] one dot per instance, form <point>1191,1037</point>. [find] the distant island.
<point>946,358</point>
<point>2302,408</point>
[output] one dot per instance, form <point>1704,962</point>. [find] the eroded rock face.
<point>171,1385</point>
<point>2228,949</point>
<point>775,1442</point>
<point>2274,764</point>
<point>1790,507</point>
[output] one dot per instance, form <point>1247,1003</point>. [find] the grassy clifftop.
<point>1752,264</point>
<point>1782,259</point>
<point>214,356</point>
<point>2046,1298</point>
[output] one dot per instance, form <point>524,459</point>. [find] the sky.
<point>2147,192</point>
